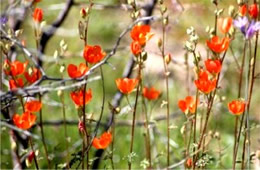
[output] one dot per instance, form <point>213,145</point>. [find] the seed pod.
<point>168,58</point>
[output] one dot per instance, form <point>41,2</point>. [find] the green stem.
<point>34,157</point>
<point>43,138</point>
<point>134,114</point>
<point>65,128</point>
<point>239,95</point>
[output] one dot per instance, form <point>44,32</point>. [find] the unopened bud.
<point>83,13</point>
<point>216,135</point>
<point>240,2</point>
<point>13,145</point>
<point>159,42</point>
<point>165,21</point>
<point>144,56</point>
<point>168,58</point>
<point>117,110</point>
<point>188,163</point>
<point>59,93</point>
<point>137,14</point>
<point>131,2</point>
<point>31,156</point>
<point>30,71</point>
<point>231,10</point>
<point>81,127</point>
<point>62,68</point>
<point>163,9</point>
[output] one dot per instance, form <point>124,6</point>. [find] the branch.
<point>50,32</point>
<point>119,123</point>
<point>25,132</point>
<point>35,88</point>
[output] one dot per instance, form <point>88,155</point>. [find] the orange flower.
<point>151,94</point>
<point>204,84</point>
<point>126,85</point>
<point>188,104</point>
<point>213,66</point>
<point>102,142</point>
<point>18,83</point>
<point>78,98</point>
<point>76,72</point>
<point>33,76</point>
<point>188,163</point>
<point>33,106</point>
<point>225,24</point>
<point>236,107</point>
<point>141,34</point>
<point>93,54</point>
<point>24,121</point>
<point>136,48</point>
<point>242,10</point>
<point>38,15</point>
<point>217,45</point>
<point>14,68</point>
<point>253,10</point>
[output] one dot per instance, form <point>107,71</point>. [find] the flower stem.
<point>237,137</point>
<point>147,136</point>
<point>43,138</point>
<point>65,129</point>
<point>134,113</point>
<point>34,157</point>
<point>195,126</point>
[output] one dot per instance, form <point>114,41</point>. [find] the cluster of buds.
<point>190,44</point>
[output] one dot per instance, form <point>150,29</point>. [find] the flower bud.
<point>81,126</point>
<point>62,68</point>
<point>160,1</point>
<point>165,21</point>
<point>163,9</point>
<point>83,13</point>
<point>188,163</point>
<point>168,58</point>
<point>31,156</point>
<point>59,93</point>
<point>159,42</point>
<point>38,15</point>
<point>231,10</point>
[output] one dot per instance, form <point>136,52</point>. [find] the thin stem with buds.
<point>134,111</point>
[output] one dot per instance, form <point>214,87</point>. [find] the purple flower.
<point>252,29</point>
<point>241,23</point>
<point>3,20</point>
<point>248,29</point>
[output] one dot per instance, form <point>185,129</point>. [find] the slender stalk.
<point>43,138</point>
<point>166,74</point>
<point>247,125</point>
<point>134,113</point>
<point>251,88</point>
<point>190,136</point>
<point>195,126</point>
<point>34,157</point>
<point>113,133</point>
<point>236,143</point>
<point>84,136</point>
<point>37,35</point>
<point>147,136</point>
<point>65,129</point>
